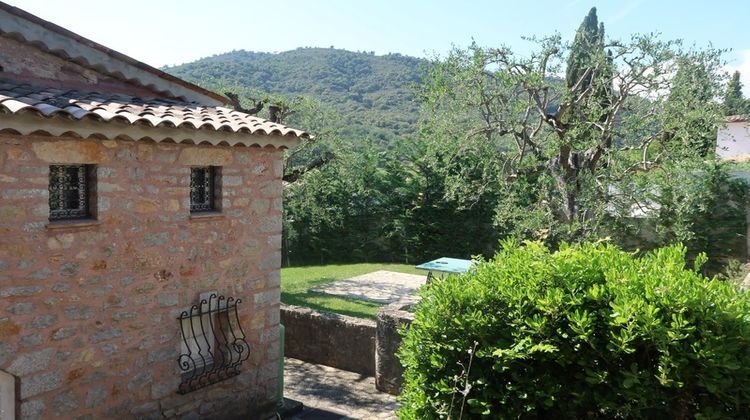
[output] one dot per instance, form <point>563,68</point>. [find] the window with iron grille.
<point>214,345</point>
<point>203,188</point>
<point>69,192</point>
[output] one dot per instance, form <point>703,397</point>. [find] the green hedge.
<point>587,331</point>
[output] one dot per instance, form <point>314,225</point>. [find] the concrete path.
<point>334,394</point>
<point>379,286</point>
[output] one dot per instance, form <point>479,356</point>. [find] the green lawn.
<point>296,283</point>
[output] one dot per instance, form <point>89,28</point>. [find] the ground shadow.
<point>319,414</point>
<point>308,299</point>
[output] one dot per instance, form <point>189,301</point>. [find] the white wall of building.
<point>733,141</point>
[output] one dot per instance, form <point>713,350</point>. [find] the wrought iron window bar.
<point>68,192</point>
<point>202,188</point>
<point>214,344</point>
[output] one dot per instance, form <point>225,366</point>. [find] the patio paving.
<point>379,286</point>
<point>329,393</point>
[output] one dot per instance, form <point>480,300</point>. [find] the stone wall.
<point>388,370</point>
<point>334,340</point>
<point>88,310</point>
<point>24,63</point>
<point>354,344</point>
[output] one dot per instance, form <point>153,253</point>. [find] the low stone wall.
<point>334,340</point>
<point>353,344</point>
<point>388,370</point>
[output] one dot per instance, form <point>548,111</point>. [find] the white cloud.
<point>741,64</point>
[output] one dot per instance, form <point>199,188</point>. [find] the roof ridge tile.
<point>156,112</point>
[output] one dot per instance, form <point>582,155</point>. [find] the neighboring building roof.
<point>24,26</point>
<point>736,118</point>
<point>135,118</point>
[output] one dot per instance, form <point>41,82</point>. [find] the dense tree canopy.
<point>693,113</point>
<point>734,102</point>
<point>373,94</point>
<point>502,146</point>
<point>575,144</point>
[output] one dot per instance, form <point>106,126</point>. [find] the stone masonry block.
<point>65,403</point>
<point>168,299</point>
<point>271,261</point>
<point>43,321</point>
<point>32,409</point>
<point>31,362</point>
<point>20,291</point>
<point>21,308</point>
<point>140,380</point>
<point>106,334</point>
<point>95,396</point>
<point>79,312</point>
<point>40,383</point>
<point>267,297</point>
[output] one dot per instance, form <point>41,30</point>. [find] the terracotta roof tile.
<point>168,113</point>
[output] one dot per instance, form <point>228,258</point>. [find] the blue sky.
<point>162,32</point>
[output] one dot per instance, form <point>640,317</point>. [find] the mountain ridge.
<point>374,94</point>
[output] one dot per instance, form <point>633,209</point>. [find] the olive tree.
<point>571,141</point>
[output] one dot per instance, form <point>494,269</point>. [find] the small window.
<point>69,192</point>
<point>204,189</point>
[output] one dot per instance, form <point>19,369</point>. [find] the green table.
<point>445,266</point>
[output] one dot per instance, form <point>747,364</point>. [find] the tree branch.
<point>235,102</point>
<point>316,163</point>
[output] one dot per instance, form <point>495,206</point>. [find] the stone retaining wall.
<point>339,341</point>
<point>353,344</point>
<point>388,369</point>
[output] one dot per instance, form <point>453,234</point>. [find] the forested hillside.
<point>504,149</point>
<point>373,94</point>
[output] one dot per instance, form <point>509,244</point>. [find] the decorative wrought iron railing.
<point>213,343</point>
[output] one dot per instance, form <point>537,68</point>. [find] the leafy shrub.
<point>706,211</point>
<point>587,331</point>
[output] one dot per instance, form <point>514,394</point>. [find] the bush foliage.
<point>587,331</point>
<point>706,211</point>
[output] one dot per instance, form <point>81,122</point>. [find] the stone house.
<point>140,235</point>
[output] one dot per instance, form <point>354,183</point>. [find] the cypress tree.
<point>589,67</point>
<point>734,102</point>
<point>587,47</point>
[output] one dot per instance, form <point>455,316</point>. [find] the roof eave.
<point>736,118</point>
<point>32,124</point>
